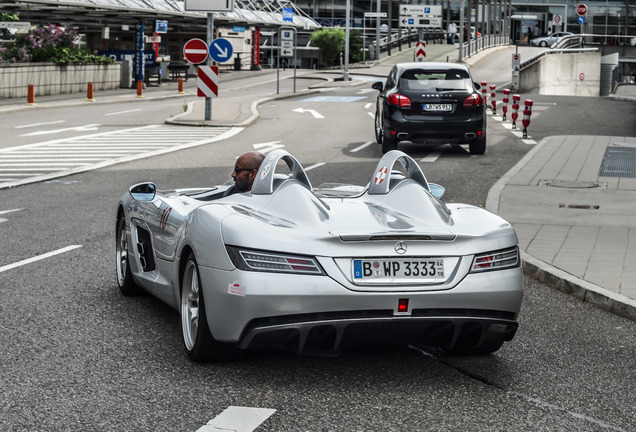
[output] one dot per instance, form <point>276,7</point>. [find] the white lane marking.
<point>38,258</point>
<point>314,113</point>
<point>39,124</point>
<point>238,419</point>
<point>432,157</point>
<point>268,146</point>
<point>529,141</point>
<point>122,112</point>
<point>319,164</point>
<point>367,106</point>
<point>78,128</point>
<point>9,211</point>
<point>366,144</point>
<point>363,91</point>
<point>372,115</point>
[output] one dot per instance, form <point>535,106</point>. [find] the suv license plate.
<point>438,107</point>
<point>392,270</point>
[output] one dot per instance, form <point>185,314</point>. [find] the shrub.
<point>332,42</point>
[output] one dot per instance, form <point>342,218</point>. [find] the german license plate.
<point>438,107</point>
<point>396,270</point>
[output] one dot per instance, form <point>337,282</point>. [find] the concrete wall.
<point>53,79</point>
<point>563,74</point>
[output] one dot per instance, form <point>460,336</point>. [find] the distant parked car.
<point>550,40</point>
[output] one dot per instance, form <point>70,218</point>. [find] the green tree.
<point>332,42</point>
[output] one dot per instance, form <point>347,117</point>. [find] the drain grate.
<point>619,162</point>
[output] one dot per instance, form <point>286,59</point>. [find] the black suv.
<point>432,103</point>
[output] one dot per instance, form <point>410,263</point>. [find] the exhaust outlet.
<point>470,135</point>
<point>402,135</point>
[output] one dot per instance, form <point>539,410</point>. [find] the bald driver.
<point>245,172</point>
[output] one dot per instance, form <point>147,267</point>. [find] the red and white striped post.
<point>493,98</point>
<point>504,108</point>
<point>484,92</point>
<point>515,109</point>
<point>527,112</point>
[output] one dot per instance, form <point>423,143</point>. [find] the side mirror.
<point>477,85</point>
<point>143,191</point>
<point>378,86</point>
<point>436,190</point>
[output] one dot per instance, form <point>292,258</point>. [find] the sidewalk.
<point>571,199</point>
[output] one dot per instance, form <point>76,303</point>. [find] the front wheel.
<point>378,129</point>
<point>478,146</point>
<point>543,44</point>
<point>127,285</point>
<point>199,342</point>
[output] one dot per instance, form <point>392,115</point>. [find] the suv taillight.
<point>399,100</point>
<point>473,100</point>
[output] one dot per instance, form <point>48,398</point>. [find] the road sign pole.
<point>377,33</point>
<point>345,76</point>
<point>209,39</point>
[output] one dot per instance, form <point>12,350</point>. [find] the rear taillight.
<point>473,100</point>
<point>399,100</point>
<point>258,260</point>
<point>496,260</point>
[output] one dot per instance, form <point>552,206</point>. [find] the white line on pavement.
<point>314,166</point>
<point>122,112</point>
<point>366,144</point>
<point>38,258</point>
<point>9,211</point>
<point>238,419</point>
<point>39,124</point>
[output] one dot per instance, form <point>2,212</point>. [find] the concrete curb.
<point>555,277</point>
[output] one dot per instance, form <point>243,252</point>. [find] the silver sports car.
<point>317,270</point>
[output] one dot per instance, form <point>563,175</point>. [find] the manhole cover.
<point>619,162</point>
<point>572,185</point>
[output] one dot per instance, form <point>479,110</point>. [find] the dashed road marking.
<point>238,419</point>
<point>38,258</point>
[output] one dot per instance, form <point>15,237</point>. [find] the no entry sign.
<point>208,81</point>
<point>195,51</point>
<point>581,9</point>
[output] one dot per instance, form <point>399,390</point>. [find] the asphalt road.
<point>79,356</point>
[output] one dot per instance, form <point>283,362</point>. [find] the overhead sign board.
<point>420,16</point>
<point>221,50</point>
<point>209,5</point>
<point>432,22</point>
<point>420,10</point>
<point>375,14</point>
<point>288,14</point>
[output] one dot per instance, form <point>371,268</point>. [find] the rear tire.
<point>478,146</point>
<point>389,143</point>
<point>487,347</point>
<point>199,343</point>
<point>543,44</point>
<point>126,283</point>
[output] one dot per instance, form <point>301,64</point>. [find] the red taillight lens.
<point>473,100</point>
<point>399,100</point>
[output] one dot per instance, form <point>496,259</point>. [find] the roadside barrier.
<point>180,85</point>
<point>31,95</point>
<point>90,97</point>
<point>484,92</point>
<point>515,109</point>
<point>504,108</point>
<point>527,112</point>
<point>140,88</point>
<point>493,98</point>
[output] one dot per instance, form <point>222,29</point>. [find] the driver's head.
<point>245,170</point>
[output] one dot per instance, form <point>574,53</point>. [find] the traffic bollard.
<point>493,98</point>
<point>140,88</point>
<point>515,110</point>
<point>89,92</point>
<point>31,95</point>
<point>180,85</point>
<point>527,112</point>
<point>504,108</point>
<point>484,92</point>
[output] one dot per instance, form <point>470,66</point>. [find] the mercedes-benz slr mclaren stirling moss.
<point>318,270</point>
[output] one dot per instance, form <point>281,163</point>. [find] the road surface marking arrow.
<point>268,146</point>
<point>313,113</point>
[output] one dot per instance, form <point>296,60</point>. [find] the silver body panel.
<point>287,216</point>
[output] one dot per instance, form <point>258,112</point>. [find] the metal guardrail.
<point>483,42</point>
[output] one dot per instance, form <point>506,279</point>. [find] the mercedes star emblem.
<point>400,247</point>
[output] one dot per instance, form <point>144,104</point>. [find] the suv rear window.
<point>438,80</point>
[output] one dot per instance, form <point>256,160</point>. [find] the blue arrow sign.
<point>581,20</point>
<point>221,50</point>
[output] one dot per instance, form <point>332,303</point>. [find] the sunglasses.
<point>237,169</point>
